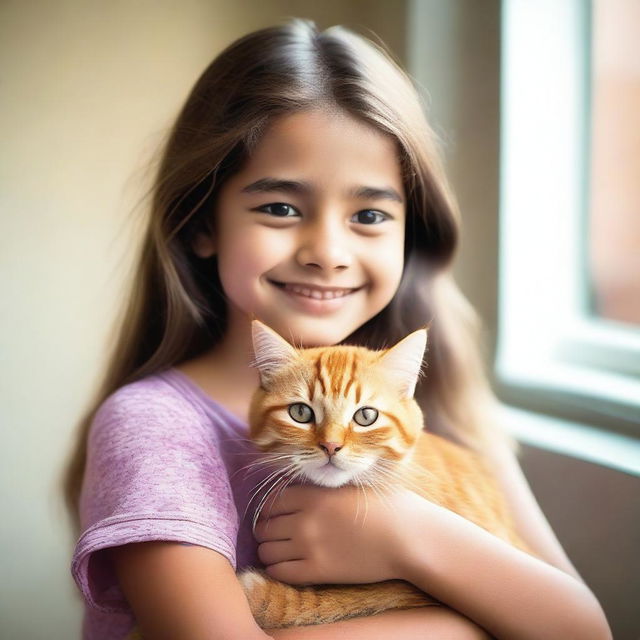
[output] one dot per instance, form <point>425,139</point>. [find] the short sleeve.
<point>154,472</point>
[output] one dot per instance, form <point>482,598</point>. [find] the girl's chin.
<point>308,334</point>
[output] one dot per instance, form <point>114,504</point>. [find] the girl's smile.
<point>314,298</point>
<point>309,234</point>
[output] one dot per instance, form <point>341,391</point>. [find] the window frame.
<point>553,355</point>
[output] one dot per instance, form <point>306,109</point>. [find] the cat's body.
<point>340,386</point>
<point>336,384</point>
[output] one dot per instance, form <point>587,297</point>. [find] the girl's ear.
<point>404,361</point>
<point>203,245</point>
<point>271,351</point>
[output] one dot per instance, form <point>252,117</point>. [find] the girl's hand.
<point>319,535</point>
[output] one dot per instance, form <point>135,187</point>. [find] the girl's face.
<point>309,235</point>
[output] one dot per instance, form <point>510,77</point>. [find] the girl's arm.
<point>531,523</point>
<point>190,593</point>
<point>425,623</point>
<point>508,592</point>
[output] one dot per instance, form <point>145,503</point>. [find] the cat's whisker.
<point>355,518</point>
<point>289,481</point>
<point>391,472</point>
<point>263,462</point>
<point>265,481</point>
<point>285,481</point>
<point>282,468</point>
<point>382,490</point>
<point>286,473</point>
<point>366,505</point>
<point>387,479</point>
<point>238,439</point>
<point>382,495</point>
<point>260,506</point>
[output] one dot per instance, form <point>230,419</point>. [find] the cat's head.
<point>336,415</point>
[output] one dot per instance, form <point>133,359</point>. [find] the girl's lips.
<point>315,299</point>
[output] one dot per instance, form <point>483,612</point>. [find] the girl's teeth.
<point>315,294</point>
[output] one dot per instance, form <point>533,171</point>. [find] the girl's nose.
<point>324,248</point>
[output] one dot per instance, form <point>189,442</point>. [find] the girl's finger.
<point>291,572</point>
<point>278,551</point>
<point>276,528</point>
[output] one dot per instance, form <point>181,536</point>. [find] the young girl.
<point>300,185</point>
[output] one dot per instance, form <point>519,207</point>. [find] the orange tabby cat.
<point>365,400</point>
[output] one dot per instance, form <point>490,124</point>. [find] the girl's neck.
<point>224,372</point>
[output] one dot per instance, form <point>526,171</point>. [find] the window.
<point>569,335</point>
<point>614,186</point>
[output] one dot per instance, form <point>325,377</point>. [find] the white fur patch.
<point>250,579</point>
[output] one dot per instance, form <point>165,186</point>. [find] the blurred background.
<point>537,105</point>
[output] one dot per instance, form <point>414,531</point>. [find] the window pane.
<point>614,234</point>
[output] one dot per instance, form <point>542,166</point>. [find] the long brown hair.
<point>176,307</point>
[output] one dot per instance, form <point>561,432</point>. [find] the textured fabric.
<point>164,462</point>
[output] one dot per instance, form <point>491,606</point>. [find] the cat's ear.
<point>271,351</point>
<point>404,360</point>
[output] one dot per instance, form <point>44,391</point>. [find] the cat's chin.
<point>328,476</point>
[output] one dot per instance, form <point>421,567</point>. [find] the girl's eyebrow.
<point>305,188</point>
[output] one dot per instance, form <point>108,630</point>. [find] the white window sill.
<point>573,439</point>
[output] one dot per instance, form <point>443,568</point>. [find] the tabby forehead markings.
<point>339,371</point>
<point>337,365</point>
<point>352,375</point>
<point>319,376</point>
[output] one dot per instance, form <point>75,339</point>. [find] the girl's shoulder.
<point>160,402</point>
<point>154,393</point>
<point>166,401</point>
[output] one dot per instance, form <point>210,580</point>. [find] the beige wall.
<point>88,89</point>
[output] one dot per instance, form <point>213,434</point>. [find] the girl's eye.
<point>301,412</point>
<point>279,209</point>
<point>283,210</point>
<point>365,416</point>
<point>369,216</point>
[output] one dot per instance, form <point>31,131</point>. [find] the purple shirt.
<point>164,462</point>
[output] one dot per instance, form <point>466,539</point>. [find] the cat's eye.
<point>301,412</point>
<point>365,416</point>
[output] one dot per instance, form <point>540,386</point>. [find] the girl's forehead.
<point>322,148</point>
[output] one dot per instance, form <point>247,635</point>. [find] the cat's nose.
<point>330,447</point>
